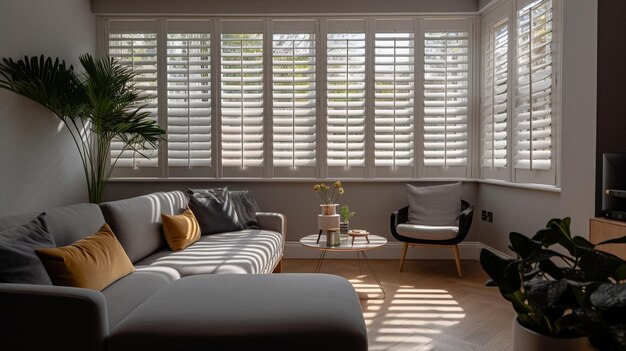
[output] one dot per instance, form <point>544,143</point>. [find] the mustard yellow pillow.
<point>93,262</point>
<point>180,230</point>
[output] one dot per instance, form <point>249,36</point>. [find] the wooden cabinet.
<point>601,229</point>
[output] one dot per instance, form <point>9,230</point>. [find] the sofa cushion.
<point>215,214</point>
<point>18,261</point>
<point>93,262</point>
<point>434,205</point>
<point>180,230</point>
<point>137,221</point>
<point>252,313</point>
<point>247,251</point>
<point>126,294</point>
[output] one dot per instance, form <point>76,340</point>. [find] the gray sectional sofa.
<point>213,295</point>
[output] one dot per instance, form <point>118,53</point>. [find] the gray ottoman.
<point>246,312</point>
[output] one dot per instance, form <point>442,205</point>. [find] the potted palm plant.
<point>98,105</point>
<point>566,292</point>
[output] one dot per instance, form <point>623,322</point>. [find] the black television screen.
<point>614,181</point>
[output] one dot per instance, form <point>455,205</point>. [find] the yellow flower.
<point>337,184</point>
<point>325,187</point>
<point>340,191</point>
<point>316,188</point>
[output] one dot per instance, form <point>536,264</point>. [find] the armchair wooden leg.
<point>405,246</point>
<point>457,259</point>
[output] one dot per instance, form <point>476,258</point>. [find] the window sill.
<point>537,187</point>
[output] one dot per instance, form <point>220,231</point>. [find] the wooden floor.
<point>427,306</point>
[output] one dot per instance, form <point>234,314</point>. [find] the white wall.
<point>40,164</point>
<point>579,89</point>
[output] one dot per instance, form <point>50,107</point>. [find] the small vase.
<point>330,209</point>
<point>332,238</point>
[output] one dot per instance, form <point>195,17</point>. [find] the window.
<point>533,151</point>
<point>345,98</point>
<point>242,101</point>
<point>517,113</point>
<point>495,102</point>
<point>134,44</point>
<point>188,98</point>
<point>394,96</point>
<point>294,99</point>
<point>446,99</point>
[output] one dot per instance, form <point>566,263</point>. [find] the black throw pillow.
<point>214,215</point>
<point>244,204</point>
<point>18,261</point>
<point>246,208</point>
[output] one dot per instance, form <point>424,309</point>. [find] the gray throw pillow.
<point>215,215</point>
<point>18,261</point>
<point>438,205</point>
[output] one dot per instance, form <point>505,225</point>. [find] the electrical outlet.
<point>489,216</point>
<point>483,215</point>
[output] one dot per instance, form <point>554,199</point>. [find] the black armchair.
<point>420,235</point>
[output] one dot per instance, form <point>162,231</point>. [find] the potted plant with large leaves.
<point>563,289</point>
<point>98,105</point>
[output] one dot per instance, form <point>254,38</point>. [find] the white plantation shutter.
<point>345,98</point>
<point>242,98</point>
<point>294,100</point>
<point>188,99</point>
<point>446,98</point>
<point>495,102</point>
<point>394,90</point>
<point>134,44</point>
<point>533,134</point>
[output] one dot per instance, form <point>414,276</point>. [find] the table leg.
<point>369,266</point>
<point>318,265</point>
<point>318,237</point>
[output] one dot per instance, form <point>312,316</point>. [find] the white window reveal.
<point>495,102</point>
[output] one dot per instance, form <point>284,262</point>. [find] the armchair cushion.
<point>438,205</point>
<point>426,232</point>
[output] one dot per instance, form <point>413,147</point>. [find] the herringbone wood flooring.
<point>427,306</point>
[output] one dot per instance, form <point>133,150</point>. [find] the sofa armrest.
<point>272,221</point>
<point>42,317</point>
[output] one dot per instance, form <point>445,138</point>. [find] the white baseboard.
<point>468,250</point>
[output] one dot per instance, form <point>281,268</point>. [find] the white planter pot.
<point>527,340</point>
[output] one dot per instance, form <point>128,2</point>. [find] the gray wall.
<point>374,201</point>
<point>40,165</point>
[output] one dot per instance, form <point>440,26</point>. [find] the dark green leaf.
<point>609,296</point>
<point>523,245</point>
<point>544,293</point>
<point>493,264</point>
